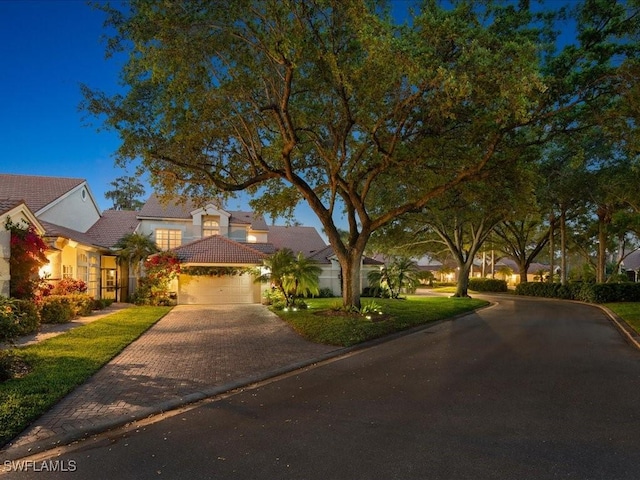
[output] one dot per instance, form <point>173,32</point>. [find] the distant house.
<point>81,241</point>
<point>631,265</point>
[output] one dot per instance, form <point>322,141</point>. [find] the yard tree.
<point>330,102</point>
<point>126,193</point>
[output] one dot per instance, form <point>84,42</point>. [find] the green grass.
<point>61,363</point>
<point>628,311</point>
<point>341,330</point>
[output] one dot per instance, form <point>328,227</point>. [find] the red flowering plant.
<point>153,288</point>
<point>27,256</point>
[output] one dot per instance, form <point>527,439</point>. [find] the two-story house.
<point>81,240</point>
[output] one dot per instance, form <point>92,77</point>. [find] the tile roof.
<point>219,250</point>
<point>7,204</point>
<point>112,226</point>
<point>297,239</point>
<point>632,261</point>
<point>52,230</point>
<point>155,208</point>
<point>36,191</point>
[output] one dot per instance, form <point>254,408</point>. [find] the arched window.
<point>210,227</point>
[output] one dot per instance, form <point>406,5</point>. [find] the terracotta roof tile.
<point>52,230</point>
<point>8,204</point>
<point>155,208</point>
<point>297,239</point>
<point>219,250</point>
<point>112,226</point>
<point>36,191</point>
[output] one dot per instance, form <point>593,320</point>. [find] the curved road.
<point>525,389</point>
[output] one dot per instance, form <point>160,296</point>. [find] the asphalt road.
<point>527,389</point>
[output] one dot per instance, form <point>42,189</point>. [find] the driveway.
<point>529,389</point>
<point>191,353</point>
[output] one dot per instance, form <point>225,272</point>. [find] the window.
<point>67,271</point>
<point>166,238</point>
<point>210,227</point>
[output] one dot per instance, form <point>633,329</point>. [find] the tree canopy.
<point>333,102</point>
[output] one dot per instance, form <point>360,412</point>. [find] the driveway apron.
<point>192,353</point>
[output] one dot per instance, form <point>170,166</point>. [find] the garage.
<point>217,290</point>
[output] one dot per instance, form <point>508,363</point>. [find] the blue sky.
<point>47,49</point>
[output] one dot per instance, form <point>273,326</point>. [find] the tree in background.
<point>126,193</point>
<point>332,103</point>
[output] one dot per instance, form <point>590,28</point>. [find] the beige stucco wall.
<point>5,253</point>
<point>76,211</point>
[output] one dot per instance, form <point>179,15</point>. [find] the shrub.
<point>102,303</point>
<point>6,365</point>
<point>9,325</point>
<point>56,309</point>
<point>583,291</point>
<point>325,293</point>
<point>28,317</point>
<point>487,285</point>
<point>69,286</point>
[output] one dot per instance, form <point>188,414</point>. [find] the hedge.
<point>586,292</point>
<point>487,285</point>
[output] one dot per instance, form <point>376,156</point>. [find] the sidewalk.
<point>192,353</point>
<point>52,330</point>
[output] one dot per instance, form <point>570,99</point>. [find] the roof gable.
<point>36,191</point>
<point>297,239</point>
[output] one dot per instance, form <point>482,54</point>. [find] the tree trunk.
<point>523,267</point>
<point>462,287</point>
<point>552,248</point>
<point>563,245</point>
<point>602,252</point>
<point>351,280</point>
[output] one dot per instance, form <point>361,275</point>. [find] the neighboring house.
<point>631,266</point>
<point>227,243</point>
<point>63,210</point>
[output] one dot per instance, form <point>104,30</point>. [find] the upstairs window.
<point>168,238</point>
<point>210,227</point>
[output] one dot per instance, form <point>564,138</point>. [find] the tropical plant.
<point>400,275</point>
<point>293,276</point>
<point>133,249</point>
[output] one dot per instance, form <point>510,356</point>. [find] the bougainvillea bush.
<point>27,256</point>
<point>153,288</point>
<point>69,286</point>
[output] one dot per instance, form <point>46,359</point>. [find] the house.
<point>62,210</point>
<point>206,238</point>
<point>229,243</point>
<point>631,265</point>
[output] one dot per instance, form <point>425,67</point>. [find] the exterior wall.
<point>77,210</point>
<point>5,254</point>
<point>190,232</point>
<point>330,277</point>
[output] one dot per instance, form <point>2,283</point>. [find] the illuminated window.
<point>166,238</point>
<point>210,228</point>
<point>67,271</point>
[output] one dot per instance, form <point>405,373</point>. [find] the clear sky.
<point>48,48</point>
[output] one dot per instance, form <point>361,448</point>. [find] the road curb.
<point>623,327</point>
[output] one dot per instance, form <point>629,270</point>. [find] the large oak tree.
<point>331,102</point>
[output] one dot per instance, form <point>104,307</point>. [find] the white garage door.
<point>203,290</point>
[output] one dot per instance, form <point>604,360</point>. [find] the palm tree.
<point>290,275</point>
<point>133,248</point>
<point>303,277</point>
<point>401,273</point>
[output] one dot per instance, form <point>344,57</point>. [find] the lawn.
<point>628,311</point>
<point>60,364</point>
<point>347,330</point>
